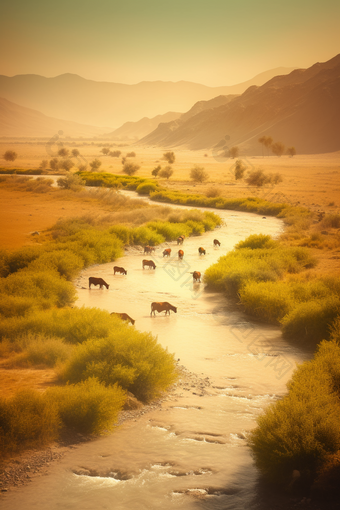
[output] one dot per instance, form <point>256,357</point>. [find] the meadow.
<point>292,282</point>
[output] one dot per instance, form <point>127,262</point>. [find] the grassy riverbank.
<point>92,353</point>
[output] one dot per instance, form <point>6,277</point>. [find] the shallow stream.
<point>190,453</point>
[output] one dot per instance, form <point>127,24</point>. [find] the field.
<point>311,181</point>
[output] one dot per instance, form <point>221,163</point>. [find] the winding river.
<point>191,452</point>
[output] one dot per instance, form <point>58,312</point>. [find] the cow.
<point>149,263</point>
<point>162,307</point>
<point>97,281</point>
<point>124,317</point>
<point>201,250</point>
<point>180,254</point>
<point>217,242</point>
<point>180,239</point>
<point>167,252</point>
<point>120,270</point>
<point>196,276</point>
<point>149,249</point>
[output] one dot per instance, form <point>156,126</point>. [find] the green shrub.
<point>269,301</point>
<point>145,188</point>
<point>11,306</point>
<point>128,357</point>
<point>41,351</point>
<point>146,235</point>
<point>75,325</point>
<point>46,287</point>
<point>21,258</point>
<point>66,262</point>
<point>88,407</point>
<point>257,241</point>
<point>300,430</point>
<point>27,420</point>
<point>311,320</point>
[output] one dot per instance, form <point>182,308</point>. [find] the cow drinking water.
<point>149,264</point>
<point>119,270</point>
<point>162,307</point>
<point>97,281</point>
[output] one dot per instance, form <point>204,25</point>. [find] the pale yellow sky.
<point>214,42</point>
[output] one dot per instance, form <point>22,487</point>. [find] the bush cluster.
<point>300,431</point>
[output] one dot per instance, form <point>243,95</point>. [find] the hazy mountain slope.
<point>300,109</point>
<point>71,97</point>
<point>19,121</point>
<point>142,127</point>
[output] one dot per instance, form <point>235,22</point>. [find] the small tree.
<point>278,149</point>
<point>234,152</point>
<point>10,156</point>
<point>105,150</point>
<point>198,174</point>
<point>130,168</point>
<point>166,172</point>
<point>75,153</point>
<point>71,181</point>
<point>82,168</point>
<point>266,141</point>
<point>54,164</point>
<point>291,151</point>
<point>169,157</point>
<point>44,164</point>
<point>257,178</point>
<point>63,152</point>
<point>95,164</point>
<point>66,165</point>
<point>115,154</point>
<point>131,155</point>
<point>239,170</point>
<point>156,170</point>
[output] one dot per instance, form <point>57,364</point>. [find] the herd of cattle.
<point>155,306</point>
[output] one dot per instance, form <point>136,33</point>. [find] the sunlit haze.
<point>215,42</point>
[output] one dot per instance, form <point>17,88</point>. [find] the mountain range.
<point>18,121</point>
<point>77,99</point>
<point>300,109</point>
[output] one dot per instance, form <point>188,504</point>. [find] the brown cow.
<point>180,254</point>
<point>149,249</point>
<point>120,270</point>
<point>167,252</point>
<point>217,242</point>
<point>180,239</point>
<point>201,250</point>
<point>162,307</point>
<point>97,281</point>
<point>124,317</point>
<point>149,263</point>
<point>196,275</point>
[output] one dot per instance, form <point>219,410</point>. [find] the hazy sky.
<point>214,42</point>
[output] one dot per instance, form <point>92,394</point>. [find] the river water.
<point>191,453</point>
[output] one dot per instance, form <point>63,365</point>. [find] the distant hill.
<point>73,98</point>
<point>17,121</point>
<point>301,109</point>
<point>141,128</point>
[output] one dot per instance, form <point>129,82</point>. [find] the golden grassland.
<point>311,181</point>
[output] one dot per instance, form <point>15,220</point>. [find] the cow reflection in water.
<point>162,307</point>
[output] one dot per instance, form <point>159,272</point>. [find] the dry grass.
<point>310,181</point>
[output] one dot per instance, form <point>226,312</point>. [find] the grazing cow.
<point>149,249</point>
<point>196,276</point>
<point>120,270</point>
<point>201,250</point>
<point>180,254</point>
<point>167,252</point>
<point>217,242</point>
<point>97,281</point>
<point>124,317</point>
<point>149,263</point>
<point>180,239</point>
<point>162,307</point>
